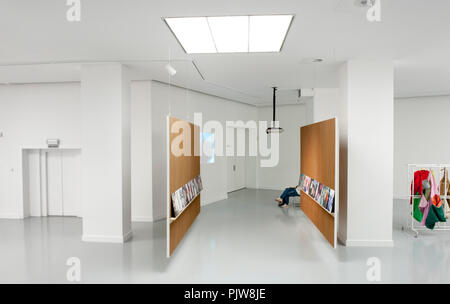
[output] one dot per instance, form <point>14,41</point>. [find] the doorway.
<point>52,182</point>
<point>236,163</point>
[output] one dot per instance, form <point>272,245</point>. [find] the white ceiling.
<point>36,39</point>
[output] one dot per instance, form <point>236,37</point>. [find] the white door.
<point>54,184</point>
<point>71,182</point>
<point>239,172</point>
<point>235,166</point>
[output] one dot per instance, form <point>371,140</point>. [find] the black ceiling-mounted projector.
<point>273,128</point>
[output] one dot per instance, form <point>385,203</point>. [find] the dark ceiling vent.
<point>273,128</point>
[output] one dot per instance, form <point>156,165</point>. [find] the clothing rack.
<point>439,173</point>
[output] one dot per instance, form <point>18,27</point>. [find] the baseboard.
<point>142,219</point>
<point>107,238</point>
<point>270,188</point>
<point>159,218</point>
<point>128,236</point>
<point>11,216</point>
<point>340,239</point>
<point>369,243</point>
<point>401,197</point>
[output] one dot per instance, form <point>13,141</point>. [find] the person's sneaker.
<point>279,200</point>
<point>285,206</point>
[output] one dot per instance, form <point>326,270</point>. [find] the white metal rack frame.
<point>439,173</point>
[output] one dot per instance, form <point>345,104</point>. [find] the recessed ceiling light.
<point>193,34</point>
<point>312,60</point>
<point>362,3</point>
<point>230,34</point>
<point>267,33</point>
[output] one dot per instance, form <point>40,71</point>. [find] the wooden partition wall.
<point>181,170</point>
<point>319,158</point>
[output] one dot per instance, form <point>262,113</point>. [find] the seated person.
<point>283,200</point>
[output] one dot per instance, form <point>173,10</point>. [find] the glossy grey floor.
<point>244,239</point>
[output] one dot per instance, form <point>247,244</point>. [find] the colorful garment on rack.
<point>435,215</point>
<point>445,191</point>
<point>417,189</point>
<point>419,177</point>
<point>430,203</point>
<point>417,214</point>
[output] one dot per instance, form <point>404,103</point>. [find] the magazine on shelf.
<point>314,188</point>
<point>194,186</point>
<point>199,181</point>
<point>326,197</point>
<point>330,205</point>
<point>310,189</point>
<point>191,193</point>
<point>319,191</point>
<point>191,190</point>
<point>322,195</point>
<point>197,186</point>
<point>186,193</point>
<point>301,181</point>
<point>191,185</point>
<point>178,201</point>
<point>306,184</point>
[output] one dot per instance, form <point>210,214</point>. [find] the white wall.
<point>287,173</point>
<point>141,152</point>
<point>421,136</point>
<point>29,115</point>
<point>182,103</point>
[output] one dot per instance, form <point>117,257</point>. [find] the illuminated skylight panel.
<point>193,33</point>
<point>267,33</point>
<point>231,34</point>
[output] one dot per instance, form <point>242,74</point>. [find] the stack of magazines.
<point>318,191</point>
<point>184,195</point>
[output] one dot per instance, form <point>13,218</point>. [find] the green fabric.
<point>435,215</point>
<point>417,214</point>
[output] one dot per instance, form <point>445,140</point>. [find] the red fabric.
<point>419,176</point>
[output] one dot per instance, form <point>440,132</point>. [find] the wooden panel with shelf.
<point>319,158</point>
<point>321,218</point>
<point>182,169</point>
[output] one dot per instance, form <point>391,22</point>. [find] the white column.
<point>106,183</point>
<point>326,102</point>
<point>366,115</point>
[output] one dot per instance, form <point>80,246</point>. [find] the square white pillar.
<point>106,182</point>
<point>366,116</point>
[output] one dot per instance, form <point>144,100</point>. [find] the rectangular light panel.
<point>193,33</point>
<point>231,34</point>
<point>267,33</point>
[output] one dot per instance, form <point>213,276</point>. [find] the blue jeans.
<point>289,192</point>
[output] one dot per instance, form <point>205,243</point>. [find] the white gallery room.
<point>224,142</point>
